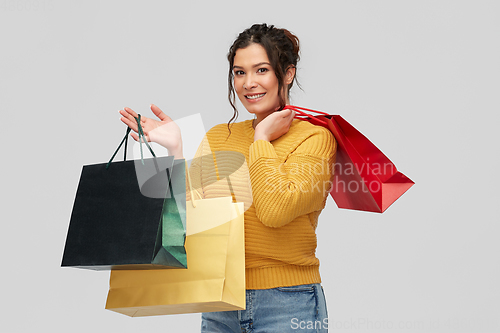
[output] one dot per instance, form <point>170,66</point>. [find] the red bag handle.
<point>298,108</point>
<point>300,112</point>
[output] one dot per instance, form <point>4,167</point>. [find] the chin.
<point>259,109</point>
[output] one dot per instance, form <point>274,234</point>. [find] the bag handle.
<point>233,195</point>
<point>191,189</point>
<point>142,138</point>
<point>301,113</point>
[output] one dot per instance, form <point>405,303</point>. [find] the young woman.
<point>288,163</point>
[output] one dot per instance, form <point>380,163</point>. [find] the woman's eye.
<point>262,70</point>
<point>239,72</point>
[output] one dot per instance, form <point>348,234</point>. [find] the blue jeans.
<point>297,309</point>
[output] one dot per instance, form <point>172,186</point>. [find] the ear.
<point>290,74</point>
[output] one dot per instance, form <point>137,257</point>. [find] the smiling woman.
<point>282,209</point>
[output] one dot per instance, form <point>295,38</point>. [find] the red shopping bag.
<point>364,178</point>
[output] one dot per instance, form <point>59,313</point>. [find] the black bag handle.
<point>142,138</point>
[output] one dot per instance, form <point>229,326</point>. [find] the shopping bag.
<point>364,178</point>
<point>128,215</point>
<point>214,279</point>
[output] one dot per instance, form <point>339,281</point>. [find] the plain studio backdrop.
<point>418,78</point>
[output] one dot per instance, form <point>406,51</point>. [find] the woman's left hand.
<point>275,125</point>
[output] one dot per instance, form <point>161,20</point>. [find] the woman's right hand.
<point>274,125</point>
<point>164,131</point>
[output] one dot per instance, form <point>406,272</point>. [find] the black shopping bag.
<point>129,216</point>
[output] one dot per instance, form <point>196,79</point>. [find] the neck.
<point>260,117</point>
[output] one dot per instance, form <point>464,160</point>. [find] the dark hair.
<point>282,48</point>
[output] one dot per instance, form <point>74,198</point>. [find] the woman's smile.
<point>253,98</point>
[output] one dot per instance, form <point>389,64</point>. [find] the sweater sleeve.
<point>194,172</point>
<point>282,191</point>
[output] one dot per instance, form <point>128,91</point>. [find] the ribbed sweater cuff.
<point>281,276</point>
<point>261,148</point>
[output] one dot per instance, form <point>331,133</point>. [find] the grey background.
<point>419,78</point>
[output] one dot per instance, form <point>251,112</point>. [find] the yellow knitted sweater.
<point>284,185</point>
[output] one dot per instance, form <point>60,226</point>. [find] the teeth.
<point>255,96</point>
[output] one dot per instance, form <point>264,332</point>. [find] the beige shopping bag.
<point>214,279</point>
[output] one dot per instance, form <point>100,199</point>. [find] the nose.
<point>249,82</point>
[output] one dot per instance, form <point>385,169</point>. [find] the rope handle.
<point>142,138</point>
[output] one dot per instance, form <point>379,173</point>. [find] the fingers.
<point>131,115</point>
<point>291,115</point>
<point>131,112</point>
<point>128,120</point>
<point>287,116</point>
<point>159,113</point>
<point>288,113</point>
<point>130,123</point>
<point>285,113</point>
<point>287,119</point>
<point>135,136</point>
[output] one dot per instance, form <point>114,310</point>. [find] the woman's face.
<point>255,81</point>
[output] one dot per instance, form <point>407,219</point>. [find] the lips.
<point>254,96</point>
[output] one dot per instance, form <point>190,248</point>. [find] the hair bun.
<point>295,42</point>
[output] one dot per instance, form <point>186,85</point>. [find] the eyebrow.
<point>256,65</point>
